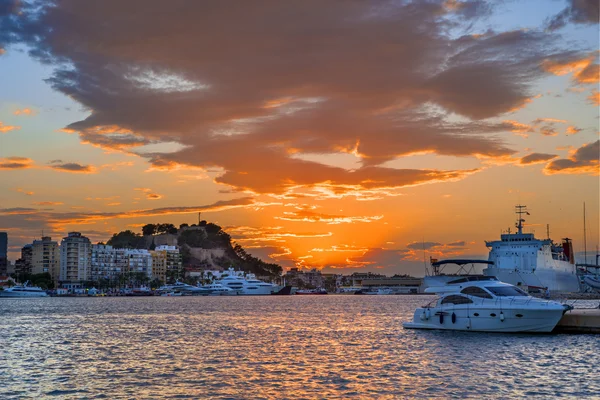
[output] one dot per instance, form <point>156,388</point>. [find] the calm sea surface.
<point>273,347</point>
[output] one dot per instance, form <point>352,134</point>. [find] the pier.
<point>580,320</point>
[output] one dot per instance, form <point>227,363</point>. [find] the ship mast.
<point>520,210</point>
<point>584,238</point>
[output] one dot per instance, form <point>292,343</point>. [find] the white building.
<point>139,261</point>
<point>108,262</point>
<point>75,260</point>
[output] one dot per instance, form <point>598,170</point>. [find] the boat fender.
<point>453,318</point>
<point>468,323</point>
<point>428,313</point>
<point>441,318</point>
<point>501,316</point>
<point>423,316</point>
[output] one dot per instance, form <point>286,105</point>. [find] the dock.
<point>580,320</point>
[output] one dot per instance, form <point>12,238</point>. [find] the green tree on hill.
<point>128,240</point>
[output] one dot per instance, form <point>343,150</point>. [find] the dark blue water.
<point>273,347</point>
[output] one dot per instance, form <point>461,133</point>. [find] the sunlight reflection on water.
<point>273,347</point>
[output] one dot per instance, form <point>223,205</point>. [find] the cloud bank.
<point>246,87</point>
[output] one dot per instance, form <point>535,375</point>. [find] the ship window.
<point>503,291</point>
<point>477,292</point>
<point>456,299</point>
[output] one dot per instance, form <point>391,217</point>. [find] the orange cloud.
<point>149,194</point>
<point>16,163</point>
<point>8,128</point>
<point>60,221</point>
<point>310,216</point>
<point>48,203</point>
<point>571,130</point>
<point>519,128</point>
<point>584,160</point>
<point>590,74</point>
<point>584,70</point>
<point>24,111</point>
<point>538,121</point>
<point>25,192</point>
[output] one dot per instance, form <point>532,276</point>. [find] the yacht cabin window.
<point>456,299</point>
<point>503,291</point>
<point>477,292</point>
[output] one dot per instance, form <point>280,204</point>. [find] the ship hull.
<point>555,281</point>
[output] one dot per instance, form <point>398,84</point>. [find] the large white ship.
<point>522,260</point>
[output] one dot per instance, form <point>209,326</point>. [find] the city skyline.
<point>343,136</point>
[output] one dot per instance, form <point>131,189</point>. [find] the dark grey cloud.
<point>578,12</point>
<point>71,167</point>
<point>534,158</point>
<point>585,160</point>
<point>244,86</point>
<point>422,245</point>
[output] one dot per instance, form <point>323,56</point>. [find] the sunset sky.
<point>346,135</point>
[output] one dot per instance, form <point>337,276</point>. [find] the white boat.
<point>484,304</point>
<point>311,291</point>
<point>183,288</point>
<point>170,294</point>
<point>216,289</point>
<point>522,260</point>
<point>23,291</point>
<point>246,284</point>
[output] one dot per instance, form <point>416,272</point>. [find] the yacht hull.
<point>6,293</point>
<point>487,319</point>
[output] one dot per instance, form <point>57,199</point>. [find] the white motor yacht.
<point>183,288</point>
<point>246,285</point>
<point>483,303</point>
<point>23,291</point>
<point>216,289</point>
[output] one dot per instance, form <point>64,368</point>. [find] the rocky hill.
<point>203,246</point>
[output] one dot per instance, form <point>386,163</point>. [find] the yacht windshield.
<point>505,291</point>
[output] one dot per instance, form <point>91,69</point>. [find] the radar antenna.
<point>520,210</point>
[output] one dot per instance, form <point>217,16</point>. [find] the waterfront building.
<point>45,258</point>
<point>174,267</point>
<point>3,253</point>
<point>300,278</point>
<point>24,264</point>
<point>159,265</point>
<point>399,284</point>
<point>107,262</point>
<point>139,260</point>
<point>75,260</point>
<point>27,254</point>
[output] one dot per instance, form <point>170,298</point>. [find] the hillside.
<point>203,246</point>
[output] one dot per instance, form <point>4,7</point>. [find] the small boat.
<point>23,290</point>
<point>593,282</point>
<point>311,291</point>
<point>484,304</point>
<point>216,289</point>
<point>170,293</point>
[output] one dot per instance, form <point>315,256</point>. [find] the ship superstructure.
<point>522,260</point>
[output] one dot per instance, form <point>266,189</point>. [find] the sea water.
<point>274,347</point>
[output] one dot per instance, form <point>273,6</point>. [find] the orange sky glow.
<point>344,136</point>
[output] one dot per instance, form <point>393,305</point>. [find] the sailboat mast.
<point>584,237</point>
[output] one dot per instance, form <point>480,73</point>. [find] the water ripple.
<point>273,347</point>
